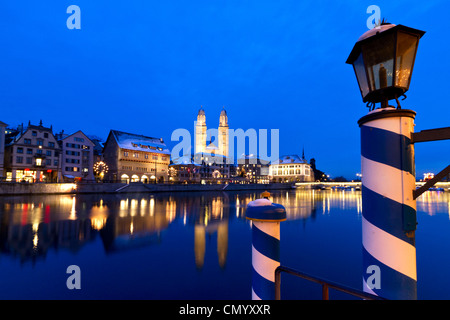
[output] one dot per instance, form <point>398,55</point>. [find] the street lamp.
<point>383,61</point>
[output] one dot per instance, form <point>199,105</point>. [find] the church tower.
<point>200,132</point>
<point>223,133</point>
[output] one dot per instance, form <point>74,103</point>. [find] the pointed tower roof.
<point>201,111</point>
<point>223,120</point>
<point>201,117</point>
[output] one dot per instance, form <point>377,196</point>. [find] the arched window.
<point>125,178</point>
<point>134,178</point>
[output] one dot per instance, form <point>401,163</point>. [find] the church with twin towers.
<point>204,142</point>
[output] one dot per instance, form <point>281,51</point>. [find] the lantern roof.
<point>377,32</point>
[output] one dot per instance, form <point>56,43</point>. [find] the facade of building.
<point>2,148</point>
<point>32,154</point>
<point>184,171</point>
<point>135,158</point>
<point>77,156</point>
<point>213,168</point>
<point>251,169</point>
<point>202,168</point>
<point>221,145</point>
<point>291,168</point>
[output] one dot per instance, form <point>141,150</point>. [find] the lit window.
<point>38,161</point>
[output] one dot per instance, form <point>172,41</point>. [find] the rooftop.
<point>138,142</point>
<point>290,159</point>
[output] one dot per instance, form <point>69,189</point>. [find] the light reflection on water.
<point>185,245</point>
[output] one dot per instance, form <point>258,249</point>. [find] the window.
<point>72,145</point>
<point>45,134</point>
<point>135,155</point>
<point>29,151</point>
<point>125,153</point>
<point>79,139</point>
<point>27,141</point>
<point>40,142</point>
<point>19,159</point>
<point>29,160</point>
<point>48,153</point>
<point>39,151</point>
<point>34,133</point>
<point>146,156</point>
<point>48,162</point>
<point>38,162</point>
<point>19,150</point>
<point>51,144</point>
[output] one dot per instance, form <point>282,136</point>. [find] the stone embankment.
<point>72,188</point>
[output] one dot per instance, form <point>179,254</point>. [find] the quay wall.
<point>71,188</point>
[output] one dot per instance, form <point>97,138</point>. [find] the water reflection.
<point>433,202</point>
<point>31,226</point>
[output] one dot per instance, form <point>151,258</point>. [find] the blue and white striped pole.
<point>389,209</point>
<point>265,217</point>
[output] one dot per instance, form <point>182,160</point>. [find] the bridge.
<point>357,185</point>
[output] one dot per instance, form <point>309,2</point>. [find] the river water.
<point>196,245</point>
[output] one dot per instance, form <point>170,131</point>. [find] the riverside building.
<point>32,154</point>
<point>291,168</point>
<point>135,158</point>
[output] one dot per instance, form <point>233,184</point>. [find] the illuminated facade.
<point>136,158</point>
<point>184,171</point>
<point>251,169</point>
<point>291,168</point>
<point>2,148</point>
<point>32,154</point>
<point>202,168</point>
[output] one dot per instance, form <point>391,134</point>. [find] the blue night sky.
<point>146,67</point>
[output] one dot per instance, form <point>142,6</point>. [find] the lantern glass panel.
<point>360,71</point>
<point>406,52</point>
<point>379,58</point>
